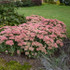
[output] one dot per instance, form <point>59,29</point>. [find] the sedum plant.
<point>38,35</point>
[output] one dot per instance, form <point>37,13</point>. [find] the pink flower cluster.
<point>37,35</point>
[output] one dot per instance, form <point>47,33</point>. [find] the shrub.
<point>19,4</point>
<point>67,2</point>
<point>31,2</point>
<point>8,16</point>
<point>38,35</point>
<point>37,2</point>
<point>50,1</point>
<point>27,3</point>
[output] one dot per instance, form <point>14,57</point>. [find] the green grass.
<point>61,13</point>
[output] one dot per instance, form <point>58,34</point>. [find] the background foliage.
<point>8,16</point>
<point>28,3</point>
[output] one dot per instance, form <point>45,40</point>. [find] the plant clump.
<point>38,35</point>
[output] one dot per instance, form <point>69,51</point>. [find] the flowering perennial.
<point>38,35</point>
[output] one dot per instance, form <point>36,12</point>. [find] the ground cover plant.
<point>38,35</point>
<point>13,65</point>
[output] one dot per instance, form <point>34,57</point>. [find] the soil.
<point>36,63</point>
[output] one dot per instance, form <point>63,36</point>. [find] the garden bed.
<point>36,63</point>
<point>31,41</point>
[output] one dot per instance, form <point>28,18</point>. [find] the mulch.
<point>35,63</point>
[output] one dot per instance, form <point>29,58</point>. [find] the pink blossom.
<point>61,44</point>
<point>40,36</point>
<point>49,48</point>
<point>16,31</point>
<point>26,48</point>
<point>17,38</point>
<point>2,32</point>
<point>20,44</point>
<point>12,37</point>
<point>18,51</point>
<point>9,42</point>
<point>3,38</point>
<point>31,48</point>
<point>55,45</point>
<point>26,53</point>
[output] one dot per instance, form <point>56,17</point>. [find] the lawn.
<point>49,11</point>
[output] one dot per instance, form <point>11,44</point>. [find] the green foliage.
<point>50,1</point>
<point>19,4</point>
<point>2,63</point>
<point>27,3</point>
<point>67,2</point>
<point>9,49</point>
<point>8,16</point>
<point>37,2</point>
<point>13,65</point>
